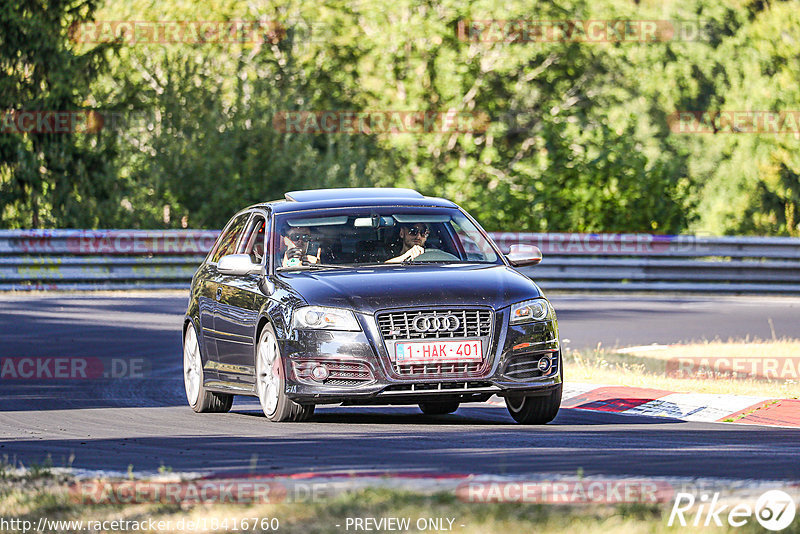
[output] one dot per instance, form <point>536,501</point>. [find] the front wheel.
<point>200,399</point>
<point>535,410</point>
<point>271,383</point>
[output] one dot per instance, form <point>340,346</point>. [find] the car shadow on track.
<point>469,415</point>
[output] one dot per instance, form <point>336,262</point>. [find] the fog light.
<point>319,373</point>
<point>544,364</point>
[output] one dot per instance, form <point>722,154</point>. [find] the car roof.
<point>353,197</point>
<point>350,193</point>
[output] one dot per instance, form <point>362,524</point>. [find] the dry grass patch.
<point>737,367</point>
<point>30,499</point>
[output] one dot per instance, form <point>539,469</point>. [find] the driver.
<point>413,239</point>
<point>296,242</point>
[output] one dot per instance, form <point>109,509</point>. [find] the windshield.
<point>369,236</point>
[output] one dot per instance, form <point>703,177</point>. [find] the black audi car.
<point>367,296</point>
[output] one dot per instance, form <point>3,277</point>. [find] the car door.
<point>210,290</point>
<point>206,300</point>
<point>237,309</point>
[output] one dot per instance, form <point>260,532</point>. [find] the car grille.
<point>524,366</point>
<point>400,325</point>
<point>454,387</point>
<point>336,382</point>
<point>472,324</point>
<point>340,373</point>
<point>422,369</point>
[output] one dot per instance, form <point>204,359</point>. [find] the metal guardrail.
<point>101,259</point>
<point>167,259</point>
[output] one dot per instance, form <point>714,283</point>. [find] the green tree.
<point>51,179</point>
<point>201,139</point>
<point>565,149</point>
<point>751,183</point>
<point>578,137</point>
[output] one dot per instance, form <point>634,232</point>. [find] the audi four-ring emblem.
<point>436,323</point>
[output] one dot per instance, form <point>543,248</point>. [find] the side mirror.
<point>523,255</point>
<point>237,265</point>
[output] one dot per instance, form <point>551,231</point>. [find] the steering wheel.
<point>434,254</point>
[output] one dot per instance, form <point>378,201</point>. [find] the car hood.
<point>369,289</point>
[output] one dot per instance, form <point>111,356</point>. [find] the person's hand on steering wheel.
<point>412,253</point>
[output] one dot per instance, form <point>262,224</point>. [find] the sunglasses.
<point>415,231</point>
<point>299,238</point>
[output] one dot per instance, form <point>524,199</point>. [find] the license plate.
<point>438,351</point>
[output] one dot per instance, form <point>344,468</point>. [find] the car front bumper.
<point>362,371</point>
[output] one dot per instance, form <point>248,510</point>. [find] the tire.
<point>200,399</point>
<point>271,383</point>
<point>535,410</point>
<point>438,407</point>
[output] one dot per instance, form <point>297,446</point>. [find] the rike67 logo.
<point>774,510</point>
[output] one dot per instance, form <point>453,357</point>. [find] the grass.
<point>30,498</point>
<point>650,368</point>
<point>781,348</point>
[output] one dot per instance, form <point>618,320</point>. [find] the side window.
<point>469,237</point>
<point>253,244</point>
<point>440,239</point>
<point>227,240</point>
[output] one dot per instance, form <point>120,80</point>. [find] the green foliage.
<point>578,138</point>
<point>51,179</point>
<point>202,128</point>
<point>753,186</point>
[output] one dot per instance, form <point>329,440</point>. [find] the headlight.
<point>318,317</point>
<point>530,310</point>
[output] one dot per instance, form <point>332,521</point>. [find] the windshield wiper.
<point>312,266</point>
<point>423,262</point>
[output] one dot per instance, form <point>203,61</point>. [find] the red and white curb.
<point>703,407</point>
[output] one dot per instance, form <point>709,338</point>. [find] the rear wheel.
<point>271,383</point>
<point>438,407</point>
<point>535,410</point>
<point>200,399</point>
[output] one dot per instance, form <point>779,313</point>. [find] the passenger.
<point>297,242</point>
<point>412,237</point>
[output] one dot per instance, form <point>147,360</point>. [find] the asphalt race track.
<point>142,420</point>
